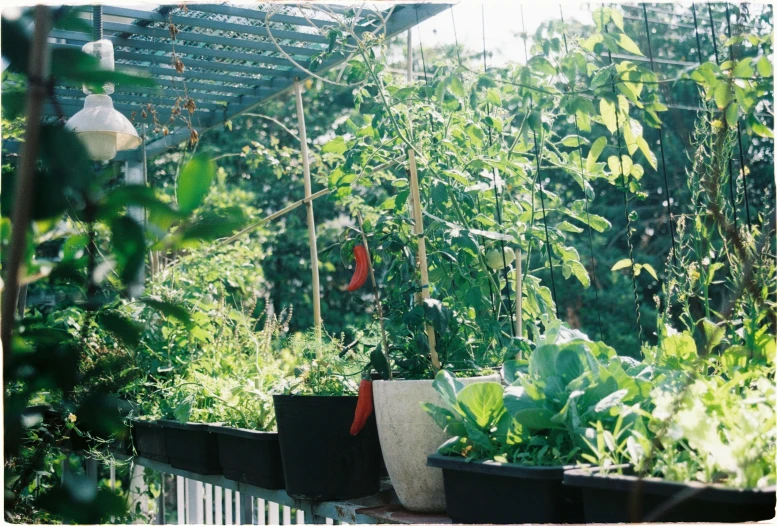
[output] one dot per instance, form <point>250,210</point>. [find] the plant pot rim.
<point>490,467</point>
<point>304,396</point>
<point>494,374</point>
<point>145,423</point>
<point>174,424</point>
<point>244,433</point>
<point>599,478</point>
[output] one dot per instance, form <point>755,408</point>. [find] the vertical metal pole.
<point>194,501</point>
<point>246,508</point>
<point>409,56</point>
<point>228,506</point>
<point>134,174</point>
<point>309,205</point>
<point>113,475</point>
<point>261,512</point>
<point>160,507</point>
<point>238,516</point>
<point>180,499</point>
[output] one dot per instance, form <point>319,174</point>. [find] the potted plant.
<point>707,453</point>
<point>322,459</point>
<point>512,446</point>
<point>249,448</point>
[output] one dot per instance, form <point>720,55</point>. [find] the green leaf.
<point>448,386</point>
<point>438,314</point>
<point>170,309</point>
<point>623,263</point>
<point>744,68</point>
<point>764,66</point>
<point>127,331</point>
<point>542,362</point>
<point>493,97</point>
<point>596,150</point>
<point>607,111</point>
<point>482,403</point>
<point>723,95</point>
<point>573,141</point>
<point>445,419</point>
<point>530,413</point>
<point>129,246</point>
<point>628,44</point>
<point>650,270</point>
<point>680,346</point>
<point>568,365</point>
<point>649,155</point>
<point>194,182</point>
<point>456,87</point>
<point>379,363</point>
<point>336,145</point>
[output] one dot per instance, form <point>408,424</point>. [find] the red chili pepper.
<point>363,407</point>
<point>362,267</point>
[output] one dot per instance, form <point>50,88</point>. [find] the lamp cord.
<point>97,22</point>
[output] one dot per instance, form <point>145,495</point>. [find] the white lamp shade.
<point>102,129</point>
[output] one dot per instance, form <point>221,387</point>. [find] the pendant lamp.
<point>103,130</point>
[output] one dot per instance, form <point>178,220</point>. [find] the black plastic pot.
<point>192,447</point>
<point>250,456</point>
<point>490,492</point>
<point>321,460</point>
<point>608,498</point>
<point>149,439</point>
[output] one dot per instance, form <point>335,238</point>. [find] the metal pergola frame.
<point>232,65</point>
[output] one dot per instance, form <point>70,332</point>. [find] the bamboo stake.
<point>378,304</point>
<point>309,205</point>
<point>25,182</point>
<point>418,230</point>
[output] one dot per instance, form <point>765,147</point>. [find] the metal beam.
<point>133,98</point>
<point>202,75</point>
<point>218,25</point>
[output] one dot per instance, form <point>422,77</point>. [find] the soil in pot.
<point>608,498</point>
<point>408,435</point>
<point>192,447</point>
<point>250,456</point>
<point>321,460</point>
<point>149,439</point>
<point>494,493</point>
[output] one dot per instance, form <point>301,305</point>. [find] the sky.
<point>503,19</point>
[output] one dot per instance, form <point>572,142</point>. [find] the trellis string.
<point>585,194</point>
<point>625,196</point>
<point>732,194</point>
<point>661,146</point>
<point>497,196</point>
<point>548,248</point>
<point>742,165</point>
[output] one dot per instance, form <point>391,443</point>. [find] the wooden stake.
<point>309,205</point>
<point>378,304</point>
<point>418,230</point>
<point>518,295</point>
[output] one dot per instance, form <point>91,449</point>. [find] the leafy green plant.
<point>321,365</point>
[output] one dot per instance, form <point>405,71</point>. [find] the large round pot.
<point>321,460</point>
<point>408,435</point>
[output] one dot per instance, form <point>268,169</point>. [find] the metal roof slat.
<point>209,23</point>
<point>206,38</point>
<point>400,20</point>
<point>255,14</point>
<point>203,64</point>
